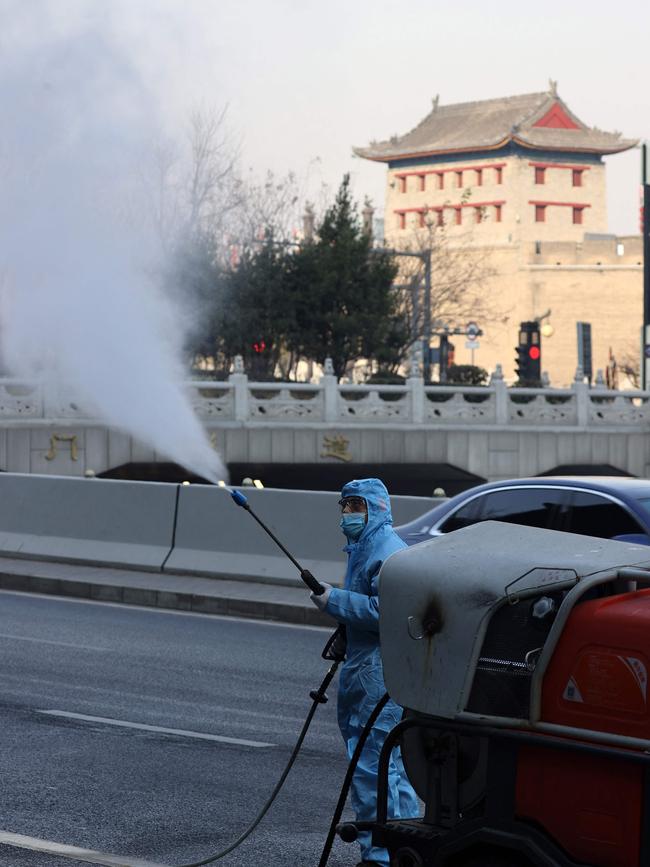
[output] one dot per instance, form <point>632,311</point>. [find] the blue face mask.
<point>353,524</point>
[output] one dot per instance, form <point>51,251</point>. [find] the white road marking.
<point>89,856</point>
<point>50,641</point>
<point>204,736</point>
<point>8,680</point>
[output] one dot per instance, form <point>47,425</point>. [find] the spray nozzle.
<point>239,498</point>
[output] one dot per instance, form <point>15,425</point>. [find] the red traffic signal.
<point>260,346</point>
<point>528,361</point>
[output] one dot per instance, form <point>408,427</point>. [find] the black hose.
<point>318,699</point>
<point>345,788</point>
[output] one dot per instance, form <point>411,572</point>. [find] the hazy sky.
<point>306,80</point>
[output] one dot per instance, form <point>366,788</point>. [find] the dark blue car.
<point>603,506</point>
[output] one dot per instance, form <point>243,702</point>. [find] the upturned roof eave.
<point>367,154</point>
<point>625,145</point>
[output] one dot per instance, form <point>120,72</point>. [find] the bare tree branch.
<point>460,273</point>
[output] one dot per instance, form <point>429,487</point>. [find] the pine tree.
<point>346,306</point>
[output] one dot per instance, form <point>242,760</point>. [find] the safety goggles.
<point>353,504</point>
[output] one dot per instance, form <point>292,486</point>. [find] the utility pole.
<point>427,316</point>
<point>645,228</point>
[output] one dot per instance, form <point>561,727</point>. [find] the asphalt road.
<point>167,797</point>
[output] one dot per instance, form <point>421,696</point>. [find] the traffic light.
<point>528,360</point>
<point>259,346</point>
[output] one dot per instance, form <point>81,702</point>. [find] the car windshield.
<point>422,524</point>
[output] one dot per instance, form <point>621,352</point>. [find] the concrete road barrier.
<point>215,537</point>
<point>142,525</point>
<point>99,521</point>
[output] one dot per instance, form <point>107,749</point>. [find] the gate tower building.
<point>522,178</point>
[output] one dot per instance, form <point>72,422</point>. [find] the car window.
<point>463,517</point>
<point>644,502</point>
<point>532,507</point>
<point>593,515</point>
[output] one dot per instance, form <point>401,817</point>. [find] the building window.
<point>401,220</point>
<point>440,217</point>
<point>423,181</point>
<point>497,213</point>
<point>402,184</point>
<point>577,216</point>
<point>459,216</point>
<point>478,215</point>
<point>421,222</point>
<point>479,177</point>
<point>577,177</point>
<point>459,179</point>
<point>540,213</point>
<point>540,175</point>
<point>499,175</point>
<point>441,180</point>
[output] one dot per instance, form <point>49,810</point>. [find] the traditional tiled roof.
<point>539,121</point>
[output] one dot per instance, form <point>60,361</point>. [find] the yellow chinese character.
<point>63,438</point>
<point>336,447</point>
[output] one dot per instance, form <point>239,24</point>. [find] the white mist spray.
<point>79,304</point>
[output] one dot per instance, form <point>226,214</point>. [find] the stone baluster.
<point>581,390</point>
<point>38,399</point>
<point>239,381</point>
<point>330,392</point>
<point>497,382</point>
<point>50,395</point>
<point>415,384</point>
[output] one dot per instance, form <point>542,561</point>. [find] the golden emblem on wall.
<point>55,439</point>
<point>336,447</point>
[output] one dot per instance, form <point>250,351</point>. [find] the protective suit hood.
<point>377,499</point>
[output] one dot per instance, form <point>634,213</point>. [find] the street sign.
<point>473,344</point>
<point>472,330</point>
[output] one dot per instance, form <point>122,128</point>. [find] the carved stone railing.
<point>557,406</point>
<point>460,405</point>
<point>331,403</point>
<point>281,401</point>
<point>25,399</point>
<point>374,403</point>
<point>20,399</point>
<point>212,400</point>
<point>619,407</point>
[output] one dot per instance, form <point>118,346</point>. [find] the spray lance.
<point>335,648</point>
<point>316,588</point>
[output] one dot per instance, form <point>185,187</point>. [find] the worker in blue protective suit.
<point>366,521</point>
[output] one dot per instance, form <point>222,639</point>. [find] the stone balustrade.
<point>328,402</point>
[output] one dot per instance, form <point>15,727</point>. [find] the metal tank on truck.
<point>521,658</point>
